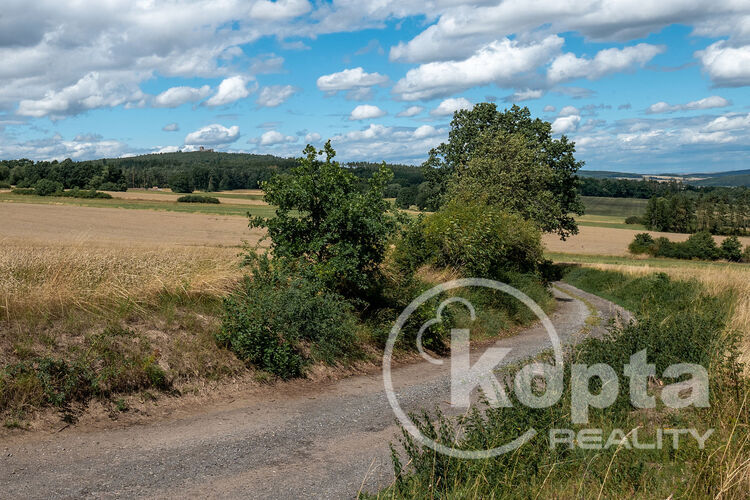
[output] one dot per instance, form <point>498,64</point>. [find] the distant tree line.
<point>629,188</point>
<point>101,174</point>
<point>182,171</point>
<point>721,211</point>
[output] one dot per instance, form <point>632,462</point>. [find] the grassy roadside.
<point>678,320</point>
<point>110,324</point>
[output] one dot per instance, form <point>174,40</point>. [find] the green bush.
<point>731,249</point>
<point>20,190</point>
<point>677,323</point>
<point>4,185</point>
<point>85,193</point>
<point>642,243</point>
<point>482,241</point>
<point>46,187</point>
<point>702,246</point>
<point>197,198</point>
<point>109,362</point>
<point>746,254</point>
<point>283,318</point>
<point>633,219</point>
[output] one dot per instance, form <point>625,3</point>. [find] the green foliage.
<point>197,198</point>
<point>46,187</point>
<point>633,219</point>
<point>700,245</point>
<point>746,254</point>
<point>481,241</point>
<point>478,134</point>
<point>29,191</point>
<point>325,218</point>
<point>406,197</point>
<point>4,172</point>
<point>97,174</point>
<point>731,249</point>
<point>284,318</point>
<point>718,211</point>
<point>181,183</point>
<point>106,365</point>
<point>677,322</point>
<point>4,185</point>
<point>85,193</point>
<point>643,243</point>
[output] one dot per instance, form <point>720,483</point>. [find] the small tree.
<point>731,249</point>
<point>325,218</point>
<point>181,183</point>
<point>46,187</point>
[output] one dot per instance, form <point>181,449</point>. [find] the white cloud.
<point>729,122</point>
<point>230,90</point>
<point>273,137</point>
<point>365,112</point>
<point>461,28</point>
<point>565,124</point>
<point>274,95</point>
<point>506,63</point>
<point>713,101</point>
<point>568,66</point>
<point>410,111</point>
<point>279,10</point>
<point>568,111</point>
<point>726,66</point>
<point>356,82</point>
<point>90,92</point>
<point>425,131</point>
<point>549,109</point>
<point>450,106</point>
<point>176,96</point>
<point>312,137</point>
<point>378,142</point>
<point>525,95</point>
<point>171,127</point>
<point>213,135</point>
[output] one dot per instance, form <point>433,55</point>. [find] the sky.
<point>645,87</point>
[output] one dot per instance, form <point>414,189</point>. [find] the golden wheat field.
<point>607,241</point>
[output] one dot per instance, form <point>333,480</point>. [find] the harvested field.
<point>231,198</point>
<point>608,241</point>
<point>44,224</point>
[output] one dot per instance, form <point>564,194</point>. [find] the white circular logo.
<point>388,382</point>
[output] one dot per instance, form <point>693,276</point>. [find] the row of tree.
<point>722,211</point>
<point>630,188</point>
<point>183,172</point>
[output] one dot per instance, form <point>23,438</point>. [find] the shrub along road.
<point>329,443</point>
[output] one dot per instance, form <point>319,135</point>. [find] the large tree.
<point>325,218</point>
<point>479,135</point>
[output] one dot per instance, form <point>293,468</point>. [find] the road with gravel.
<point>330,442</point>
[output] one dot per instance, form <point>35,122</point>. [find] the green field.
<point>171,206</point>
<point>219,194</point>
<point>615,207</point>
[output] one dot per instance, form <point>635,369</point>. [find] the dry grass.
<point>608,241</point>
<point>37,224</point>
<point>717,279</point>
<point>48,280</point>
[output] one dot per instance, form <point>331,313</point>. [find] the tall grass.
<point>677,321</point>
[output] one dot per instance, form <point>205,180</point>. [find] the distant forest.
<point>724,211</point>
<point>674,206</point>
<point>183,172</point>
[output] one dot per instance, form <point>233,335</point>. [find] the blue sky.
<point>660,88</point>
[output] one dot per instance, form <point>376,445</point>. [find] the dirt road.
<point>329,443</point>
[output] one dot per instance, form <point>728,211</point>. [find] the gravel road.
<point>328,443</point>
